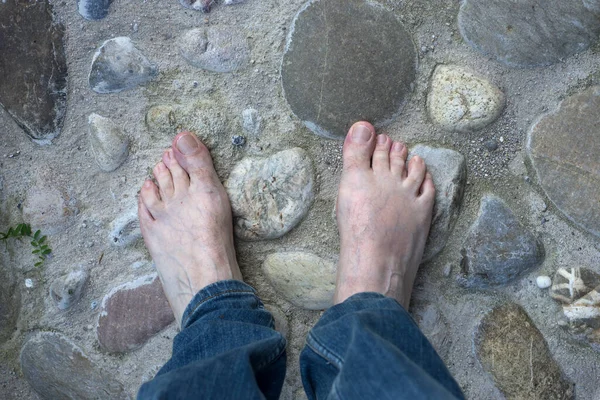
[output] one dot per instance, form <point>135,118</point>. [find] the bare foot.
<point>384,212</point>
<point>186,223</point>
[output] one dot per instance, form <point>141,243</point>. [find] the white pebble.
<point>543,282</point>
<point>28,283</point>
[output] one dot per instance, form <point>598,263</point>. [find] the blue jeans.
<point>368,347</point>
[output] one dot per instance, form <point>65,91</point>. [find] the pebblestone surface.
<point>216,49</point>
<point>449,171</point>
<point>459,100</point>
<point>33,67</point>
<point>270,196</point>
<point>528,33</point>
<point>304,279</point>
<point>109,145</point>
<point>498,248</point>
<point>132,313</point>
<point>329,56</point>
<point>57,369</point>
<point>564,147</point>
<point>514,352</point>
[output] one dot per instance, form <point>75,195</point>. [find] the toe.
<point>164,179</point>
<point>193,156</point>
<point>381,156</point>
<point>427,190</point>
<point>181,179</point>
<point>144,214</point>
<point>359,146</point>
<point>416,173</point>
<point>151,198</point>
<point>398,156</point>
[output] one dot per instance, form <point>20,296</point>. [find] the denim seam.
<point>323,351</point>
<point>191,313</point>
<point>278,353</point>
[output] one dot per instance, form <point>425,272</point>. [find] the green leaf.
<point>34,243</point>
<point>44,246</point>
<point>42,239</point>
<point>37,264</point>
<point>37,234</point>
<point>35,251</point>
<point>27,230</point>
<point>46,251</point>
<point>10,232</point>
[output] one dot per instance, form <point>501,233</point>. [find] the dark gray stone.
<point>564,147</point>
<point>216,49</point>
<point>498,248</point>
<point>514,352</point>
<point>93,9</point>
<point>528,33</point>
<point>33,67</point>
<point>58,369</point>
<point>118,65</point>
<point>347,60</point>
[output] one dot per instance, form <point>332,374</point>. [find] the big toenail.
<point>187,144</point>
<point>381,139</point>
<point>361,134</point>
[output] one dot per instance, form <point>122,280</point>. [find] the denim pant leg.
<point>227,349</point>
<point>368,347</point>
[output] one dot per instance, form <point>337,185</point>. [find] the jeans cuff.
<point>213,291</point>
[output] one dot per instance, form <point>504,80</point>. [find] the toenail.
<point>187,144</point>
<point>398,146</point>
<point>361,134</point>
<point>381,139</point>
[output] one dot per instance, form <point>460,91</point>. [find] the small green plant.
<point>40,248</point>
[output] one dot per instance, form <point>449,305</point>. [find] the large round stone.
<point>346,60</point>
<point>565,149</point>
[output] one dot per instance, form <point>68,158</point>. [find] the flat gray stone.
<point>449,171</point>
<point>33,67</point>
<point>514,352</point>
<point>304,279</point>
<point>498,248</point>
<point>270,196</point>
<point>564,148</point>
<point>118,65</point>
<point>216,49</point>
<point>132,313</point>
<point>459,100</point>
<point>528,33</point>
<point>58,369</point>
<point>109,145</point>
<point>347,60</point>
<point>66,290</point>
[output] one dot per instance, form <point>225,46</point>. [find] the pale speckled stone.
<point>304,279</point>
<point>66,290</point>
<point>459,100</point>
<point>109,145</point>
<point>49,207</point>
<point>125,229</point>
<point>216,49</point>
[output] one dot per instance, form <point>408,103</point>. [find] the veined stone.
<point>461,101</point>
<point>216,49</point>
<point>270,196</point>
<point>109,145</point>
<point>570,284</point>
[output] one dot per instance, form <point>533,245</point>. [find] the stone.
<point>161,120</point>
<point>109,145</point>
<point>592,5</point>
<point>93,9</point>
<point>280,319</point>
<point>125,229</point>
<point>543,282</point>
<point>564,147</point>
<point>449,171</point>
<point>66,290</point>
<point>498,248</point>
<point>238,140</point>
<point>528,33</point>
<point>330,74</point>
<point>434,326</point>
<point>49,207</point>
<point>33,66</point>
<point>571,284</point>
<point>459,100</point>
<point>304,279</point>
<point>10,303</point>
<point>584,318</point>
<point>118,65</point>
<point>232,2</point>
<point>58,369</point>
<point>251,121</point>
<point>216,49</point>
<point>270,196</point>
<point>132,313</point>
<point>198,5</point>
<point>514,352</point>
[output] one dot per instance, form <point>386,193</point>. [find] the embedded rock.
<point>216,49</point>
<point>571,284</point>
<point>198,5</point>
<point>498,248</point>
<point>66,290</point>
<point>161,120</point>
<point>33,67</point>
<point>58,369</point>
<point>118,65</point>
<point>49,207</point>
<point>251,121</point>
<point>270,196</point>
<point>125,229</point>
<point>132,313</point>
<point>514,352</point>
<point>584,318</point>
<point>304,279</point>
<point>352,50</point>
<point>93,9</point>
<point>564,147</point>
<point>449,171</point>
<point>528,33</point>
<point>109,145</point>
<point>461,101</point>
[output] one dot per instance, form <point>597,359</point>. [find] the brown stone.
<point>132,313</point>
<point>33,67</point>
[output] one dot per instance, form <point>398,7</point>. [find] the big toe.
<point>192,155</point>
<point>359,146</point>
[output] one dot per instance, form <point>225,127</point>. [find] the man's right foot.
<point>384,212</point>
